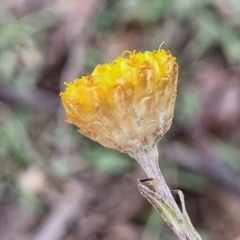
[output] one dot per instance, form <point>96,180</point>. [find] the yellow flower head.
<point>126,104</point>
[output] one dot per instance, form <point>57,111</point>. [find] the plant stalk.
<point>162,199</point>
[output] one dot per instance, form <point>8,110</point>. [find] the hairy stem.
<point>162,198</point>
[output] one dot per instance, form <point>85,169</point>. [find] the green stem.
<point>162,198</point>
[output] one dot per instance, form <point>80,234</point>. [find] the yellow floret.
<point>127,103</point>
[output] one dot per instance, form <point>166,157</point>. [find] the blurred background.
<point>58,185</point>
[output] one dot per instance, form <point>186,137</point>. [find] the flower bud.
<point>126,104</point>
